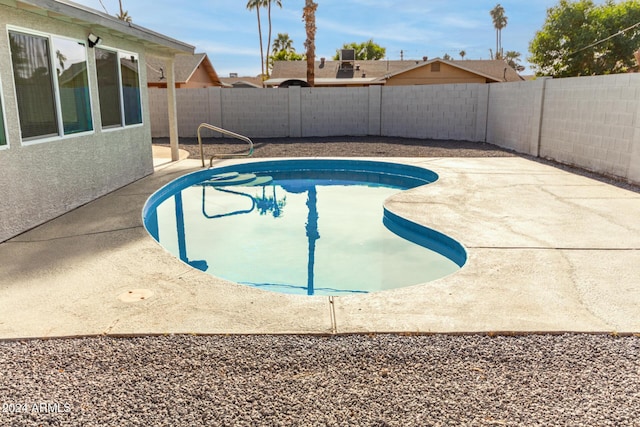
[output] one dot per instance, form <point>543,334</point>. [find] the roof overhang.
<point>98,22</point>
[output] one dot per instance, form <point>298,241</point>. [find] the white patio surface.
<point>549,251</point>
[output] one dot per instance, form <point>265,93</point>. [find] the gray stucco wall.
<point>43,180</point>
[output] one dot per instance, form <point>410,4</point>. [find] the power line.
<point>604,40</point>
<point>105,9</point>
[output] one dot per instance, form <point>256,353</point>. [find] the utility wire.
<point>105,9</point>
<point>604,40</point>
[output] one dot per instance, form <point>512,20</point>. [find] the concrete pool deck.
<point>549,251</point>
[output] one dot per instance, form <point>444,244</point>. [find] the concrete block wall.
<point>334,111</point>
<point>591,122</point>
<point>255,113</point>
<point>198,111</point>
<point>158,112</point>
<point>436,111</point>
<point>513,115</point>
<point>633,171</point>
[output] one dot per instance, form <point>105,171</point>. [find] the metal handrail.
<point>224,132</point>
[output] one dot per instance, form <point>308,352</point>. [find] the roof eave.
<point>58,9</point>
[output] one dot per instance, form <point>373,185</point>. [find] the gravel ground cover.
<point>366,146</point>
<point>369,146</point>
<point>352,380</point>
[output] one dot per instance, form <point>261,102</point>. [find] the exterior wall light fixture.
<point>93,40</point>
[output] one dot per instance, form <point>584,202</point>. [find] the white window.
<point>118,87</point>
<point>51,82</point>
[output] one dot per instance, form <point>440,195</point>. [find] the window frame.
<point>3,119</point>
<point>122,125</point>
<point>54,85</point>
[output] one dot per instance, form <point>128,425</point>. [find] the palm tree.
<point>282,43</point>
<point>257,4</point>
<point>124,14</point>
<point>278,3</point>
<point>309,16</point>
<point>499,22</point>
<point>462,54</point>
<point>513,59</point>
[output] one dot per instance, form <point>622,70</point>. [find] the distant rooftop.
<point>377,71</point>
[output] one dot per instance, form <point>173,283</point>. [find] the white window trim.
<point>3,117</point>
<point>123,124</point>
<point>61,135</point>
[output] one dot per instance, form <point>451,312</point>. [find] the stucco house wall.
<point>47,177</point>
<point>427,75</point>
<point>199,79</point>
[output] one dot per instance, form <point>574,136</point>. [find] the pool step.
<point>236,179</point>
<point>260,180</point>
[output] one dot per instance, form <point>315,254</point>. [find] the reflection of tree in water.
<point>311,226</point>
<point>312,235</point>
<point>270,203</point>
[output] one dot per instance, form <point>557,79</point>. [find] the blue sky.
<point>227,31</point>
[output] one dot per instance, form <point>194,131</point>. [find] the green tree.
<point>283,55</point>
<point>309,17</point>
<point>580,38</point>
<point>364,51</point>
<point>499,22</point>
<point>447,57</point>
<point>462,54</point>
<point>283,50</point>
<point>282,43</point>
<point>513,59</point>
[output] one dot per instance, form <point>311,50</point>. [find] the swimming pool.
<point>304,226</point>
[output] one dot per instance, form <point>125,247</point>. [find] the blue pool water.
<point>313,227</point>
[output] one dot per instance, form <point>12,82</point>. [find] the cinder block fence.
<point>589,122</point>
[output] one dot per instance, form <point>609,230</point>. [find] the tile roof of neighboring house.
<point>184,67</point>
<point>328,71</point>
